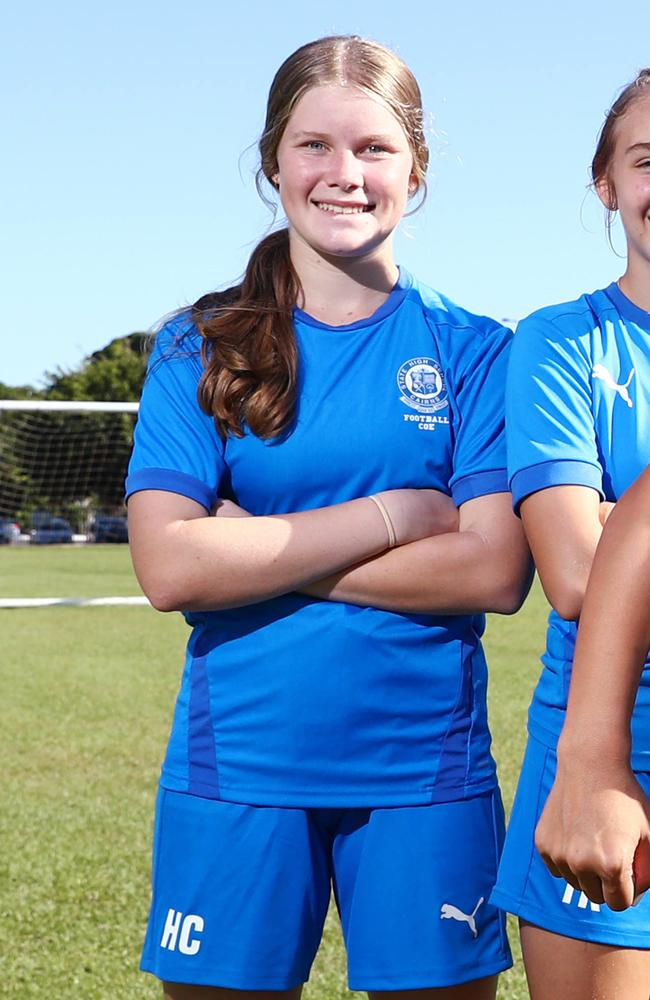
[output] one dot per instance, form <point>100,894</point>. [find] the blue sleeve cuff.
<point>564,472</point>
<point>479,484</point>
<point>171,481</point>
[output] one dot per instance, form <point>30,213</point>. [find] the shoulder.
<point>176,339</point>
<point>442,311</point>
<point>176,333</point>
<point>466,341</point>
<point>566,321</point>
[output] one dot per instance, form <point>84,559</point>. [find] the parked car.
<point>109,529</point>
<point>51,531</point>
<point>9,531</point>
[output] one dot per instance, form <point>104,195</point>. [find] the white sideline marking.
<point>76,602</point>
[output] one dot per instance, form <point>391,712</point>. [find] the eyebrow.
<point>637,147</point>
<point>373,137</point>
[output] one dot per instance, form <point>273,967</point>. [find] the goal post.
<point>62,469</point>
<point>63,459</point>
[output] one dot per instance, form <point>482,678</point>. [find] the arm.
<point>484,566</point>
<point>595,829</point>
<point>185,559</point>
<point>563,525</point>
<point>554,463</point>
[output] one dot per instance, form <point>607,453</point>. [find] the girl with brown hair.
<point>318,483</point>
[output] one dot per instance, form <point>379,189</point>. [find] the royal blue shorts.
<point>526,887</point>
<point>240,893</point>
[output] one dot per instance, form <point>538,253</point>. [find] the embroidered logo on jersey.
<point>422,385</point>
<point>599,371</point>
<point>583,902</point>
<point>450,912</point>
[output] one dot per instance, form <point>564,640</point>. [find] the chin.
<point>347,248</point>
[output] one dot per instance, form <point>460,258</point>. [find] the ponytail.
<point>249,346</point>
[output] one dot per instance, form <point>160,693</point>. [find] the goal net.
<point>62,471</point>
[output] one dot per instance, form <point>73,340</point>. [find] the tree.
<point>114,373</point>
<point>19,392</point>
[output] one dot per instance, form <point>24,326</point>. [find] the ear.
<point>275,179</point>
<point>414,184</point>
<point>607,194</point>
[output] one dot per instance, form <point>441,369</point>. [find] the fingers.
<point>611,884</point>
<point>604,873</point>
<point>619,892</point>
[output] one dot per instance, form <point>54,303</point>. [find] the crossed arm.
<point>595,829</point>
<point>444,562</point>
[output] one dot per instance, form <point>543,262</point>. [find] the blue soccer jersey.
<point>300,701</point>
<point>578,412</point>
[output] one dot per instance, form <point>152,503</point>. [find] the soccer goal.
<point>62,471</point>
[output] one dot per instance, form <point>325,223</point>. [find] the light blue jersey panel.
<point>578,412</point>
<point>298,701</point>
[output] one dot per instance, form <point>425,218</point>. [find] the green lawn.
<point>66,571</point>
<point>87,695</point>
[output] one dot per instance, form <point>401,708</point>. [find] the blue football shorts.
<point>526,887</point>
<point>240,893</point>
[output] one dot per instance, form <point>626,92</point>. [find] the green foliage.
<point>87,705</point>
<point>113,374</point>
<point>19,392</point>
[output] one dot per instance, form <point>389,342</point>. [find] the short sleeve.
<point>479,459</point>
<point>550,424</point>
<point>176,445</point>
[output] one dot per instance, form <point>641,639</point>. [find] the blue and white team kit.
<point>578,413</point>
<point>314,741</point>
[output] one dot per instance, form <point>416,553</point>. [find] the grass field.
<point>87,695</point>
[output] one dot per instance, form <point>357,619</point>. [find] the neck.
<point>635,283</point>
<point>338,291</point>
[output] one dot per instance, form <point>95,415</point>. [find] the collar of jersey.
<point>398,294</point>
<point>627,308</point>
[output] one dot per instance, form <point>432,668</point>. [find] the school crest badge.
<point>422,385</point>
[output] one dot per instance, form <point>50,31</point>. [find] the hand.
<point>228,508</point>
<point>418,514</point>
<point>595,833</point>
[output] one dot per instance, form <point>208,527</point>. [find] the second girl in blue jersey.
<point>345,425</point>
<point>578,436</point>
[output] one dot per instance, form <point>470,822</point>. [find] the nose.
<point>345,171</point>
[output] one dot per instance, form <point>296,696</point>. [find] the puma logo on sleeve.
<point>599,371</point>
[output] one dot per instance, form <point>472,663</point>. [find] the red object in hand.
<point>641,869</point>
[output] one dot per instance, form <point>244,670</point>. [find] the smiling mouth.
<point>327,206</point>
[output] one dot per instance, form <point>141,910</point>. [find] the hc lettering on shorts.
<point>182,932</point>
<point>583,902</point>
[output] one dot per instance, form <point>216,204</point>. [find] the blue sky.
<point>127,173</point>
